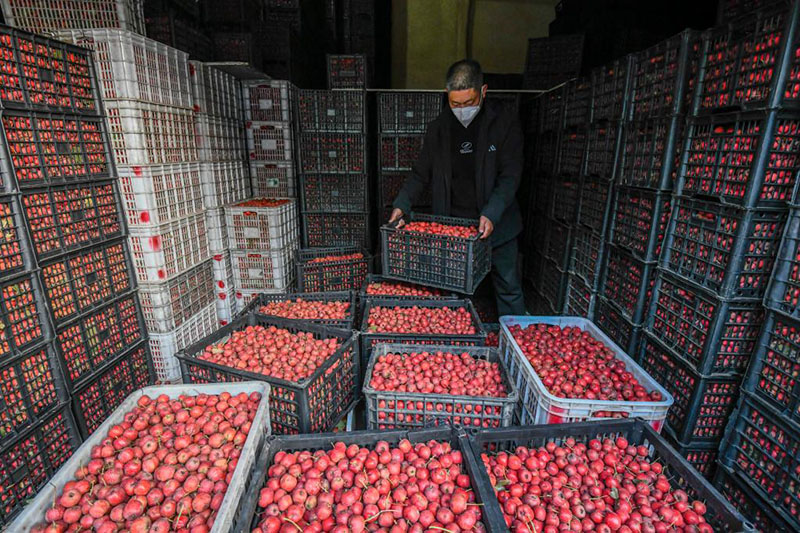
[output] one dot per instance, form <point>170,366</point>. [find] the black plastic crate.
<point>408,112</point>
<point>612,321</point>
<point>30,387</point>
<point>640,221</point>
<point>713,334</point>
<point>566,198</point>
<point>332,152</point>
<point>610,90</point>
<point>364,296</point>
<point>721,515</point>
<point>545,156</point>
<point>46,75</point>
<point>729,10</point>
<point>533,261</point>
<point>95,400</point>
<point>79,282</point>
<point>579,299</point>
<point>572,152</point>
<point>399,152</point>
<point>744,62</point>
<point>335,229</point>
<point>703,456</point>
<point>744,159</point>
<point>449,263</point>
<point>727,250</point>
<point>552,109</point>
<point>348,71</point>
<point>407,410</point>
<point>15,249</point>
<point>751,505</point>
<point>587,254</point>
<point>552,60</point>
<point>331,111</point>
<point>52,149</point>
<point>389,185</point>
<point>595,204</point>
<point>553,285</point>
<point>601,150</point>
<point>536,232</point>
<point>772,376</point>
<point>250,515</point>
<point>578,107</point>
<point>370,338</point>
<point>628,283</point>
<point>339,193</point>
<point>322,270</point>
<point>314,404</point>
<point>650,152</point>
<point>65,218</point>
<point>763,450</point>
<point>23,315</point>
<point>665,75</point>
<point>702,403</point>
<point>260,300</point>
<point>783,289</point>
<point>89,343</point>
<point>28,462</point>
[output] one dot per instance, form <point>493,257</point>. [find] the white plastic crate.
<point>220,139</point>
<point>149,134</point>
<point>223,287</point>
<point>224,183</point>
<point>158,194</point>
<point>168,305</point>
<point>269,142</point>
<point>240,482</point>
<point>270,269</point>
<point>539,406</point>
<point>226,306</point>
<point>261,228</point>
<point>273,180</point>
<point>132,67</point>
<point>267,100</point>
<point>164,346</point>
<point>215,93</point>
<point>41,16</point>
<point>217,231</point>
<point>169,249</point>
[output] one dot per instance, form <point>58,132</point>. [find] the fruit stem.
<point>293,523</point>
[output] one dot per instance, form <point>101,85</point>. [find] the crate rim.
<point>378,278</point>
<point>388,302</point>
<point>331,296</point>
<point>415,217</point>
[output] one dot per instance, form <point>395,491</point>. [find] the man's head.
<point>465,87</point>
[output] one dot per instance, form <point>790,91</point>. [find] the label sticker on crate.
<point>255,272</point>
<point>265,103</point>
<point>332,154</point>
<point>409,114</point>
<point>269,144</point>
<point>252,233</point>
<point>331,112</point>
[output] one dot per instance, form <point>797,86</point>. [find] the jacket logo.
<point>466,147</point>
<point>492,148</point>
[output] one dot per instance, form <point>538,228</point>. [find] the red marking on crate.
<point>155,243</point>
<point>145,216</point>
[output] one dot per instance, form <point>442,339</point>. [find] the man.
<point>471,161</point>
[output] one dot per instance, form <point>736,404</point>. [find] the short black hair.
<point>463,75</point>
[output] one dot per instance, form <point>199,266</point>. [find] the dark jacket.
<point>498,168</point>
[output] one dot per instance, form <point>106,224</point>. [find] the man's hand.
<point>397,214</point>
<point>485,228</point>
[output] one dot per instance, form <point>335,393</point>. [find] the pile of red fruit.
<point>435,228</point>
<point>492,338</point>
<point>398,288</point>
<point>263,202</point>
<point>331,258</point>
<point>307,309</point>
<point>165,467</point>
<point>273,352</point>
<point>427,320</point>
<point>573,364</point>
<point>601,486</point>
<point>437,373</point>
<point>410,487</point>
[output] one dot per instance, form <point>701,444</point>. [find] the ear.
<point>483,90</point>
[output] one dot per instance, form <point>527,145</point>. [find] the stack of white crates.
<point>224,171</point>
<point>148,101</point>
<point>263,233</point>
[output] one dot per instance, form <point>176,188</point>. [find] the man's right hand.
<point>397,214</point>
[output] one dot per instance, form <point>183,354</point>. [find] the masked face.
<point>466,104</point>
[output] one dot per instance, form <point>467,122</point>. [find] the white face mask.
<point>466,115</point>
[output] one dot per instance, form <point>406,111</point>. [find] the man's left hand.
<point>485,227</point>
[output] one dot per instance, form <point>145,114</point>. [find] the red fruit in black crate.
<point>330,258</point>
<point>427,320</point>
<point>399,288</point>
<point>307,309</point>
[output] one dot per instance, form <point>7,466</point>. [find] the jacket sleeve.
<point>509,175</point>
<point>420,177</point>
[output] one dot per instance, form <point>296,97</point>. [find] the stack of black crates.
<point>332,131</point>
<point>72,338</point>
<point>176,23</point>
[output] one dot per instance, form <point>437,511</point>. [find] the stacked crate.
<point>331,127</point>
<point>41,16</point>
<point>660,84</point>
<point>70,319</point>
<point>348,71</point>
<point>147,94</point>
<point>736,174</point>
<point>224,171</point>
<point>403,118</point>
